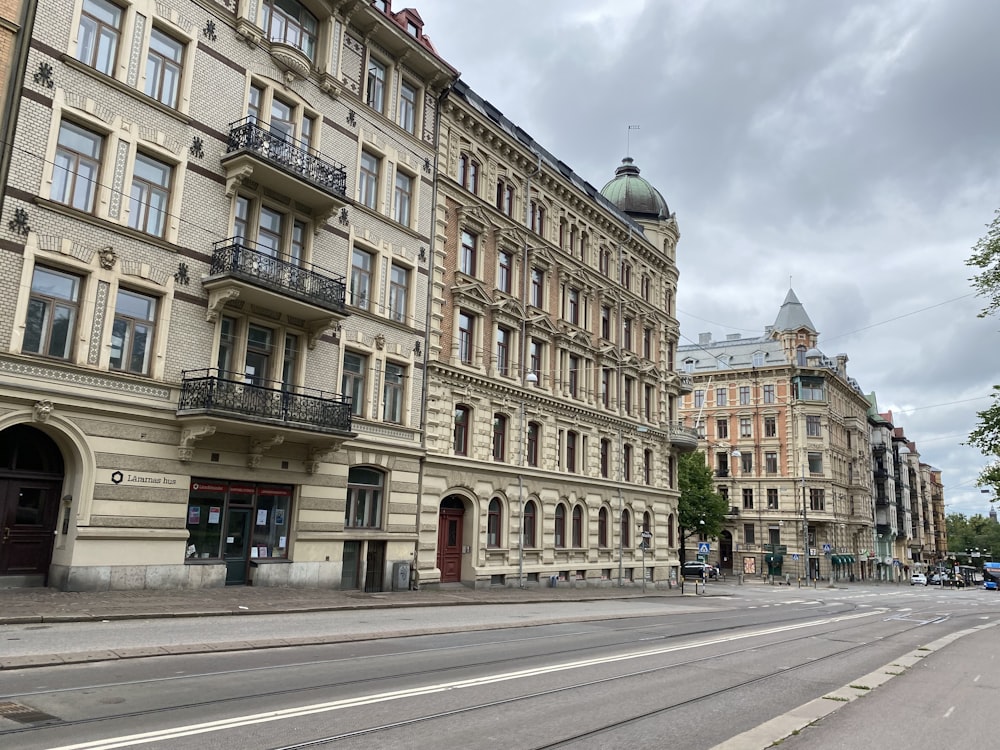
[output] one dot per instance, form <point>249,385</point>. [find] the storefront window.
<point>210,504</point>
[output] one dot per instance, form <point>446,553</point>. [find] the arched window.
<point>499,437</point>
<point>626,525</point>
<point>528,522</point>
<point>468,173</point>
<point>560,526</point>
<point>577,538</point>
<point>670,531</point>
<point>463,420</point>
<point>602,528</point>
<point>647,528</point>
<point>364,497</point>
<point>800,355</point>
<point>493,518</point>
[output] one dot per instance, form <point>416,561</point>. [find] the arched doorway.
<point>449,555</point>
<point>31,477</point>
<point>726,552</point>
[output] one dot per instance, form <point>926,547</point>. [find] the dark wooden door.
<point>450,545</point>
<point>375,567</point>
<point>237,547</point>
<point>28,512</point>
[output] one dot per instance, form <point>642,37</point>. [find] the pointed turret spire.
<point>792,316</point>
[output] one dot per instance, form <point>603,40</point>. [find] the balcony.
<point>261,406</point>
<point>684,438</point>
<point>240,269</point>
<point>284,165</point>
<point>685,382</point>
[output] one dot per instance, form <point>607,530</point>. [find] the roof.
<point>634,194</point>
<point>792,316</point>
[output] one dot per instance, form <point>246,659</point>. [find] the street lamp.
<point>805,533</point>
<point>530,379</point>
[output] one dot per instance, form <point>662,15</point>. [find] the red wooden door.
<point>28,511</point>
<point>450,545</point>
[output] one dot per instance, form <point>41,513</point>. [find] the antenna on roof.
<point>628,139</point>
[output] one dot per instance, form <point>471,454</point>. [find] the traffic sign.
<point>704,548</point>
<point>795,558</point>
<point>826,549</point>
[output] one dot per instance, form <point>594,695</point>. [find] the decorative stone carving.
<point>380,341</point>
<point>217,300</point>
<point>107,257</point>
<point>258,446</point>
<point>42,410</point>
<point>191,435</point>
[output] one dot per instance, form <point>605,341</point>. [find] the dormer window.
<point>290,22</point>
<point>381,5</point>
<point>412,29</point>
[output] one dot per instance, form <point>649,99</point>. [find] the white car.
<point>918,579</point>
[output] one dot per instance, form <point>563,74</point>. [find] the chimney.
<point>842,365</point>
<point>704,339</point>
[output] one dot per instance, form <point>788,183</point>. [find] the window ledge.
<point>97,221</point>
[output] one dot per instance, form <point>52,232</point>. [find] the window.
<point>757,359</point>
<point>627,333</point>
<point>722,428</point>
<point>573,306</point>
<point>720,396</point>
<point>626,275</point>
<point>649,402</point>
<point>499,437</point>
<point>289,22</point>
<point>407,115</point>
<point>605,457</point>
<point>460,438</point>
<point>722,463</point>
<point>605,322</point>
<point>505,270</point>
<point>560,526</point>
<point>811,389</point>
<point>771,462</point>
<point>227,345</point>
<point>52,313</point>
<point>364,498</point>
<point>164,64</point>
<point>535,355</point>
<point>468,173</point>
<point>606,373</point>
<point>505,197</point>
<point>277,235</point>
<point>375,86</point>
<point>150,195</point>
<point>627,462</point>
<point>77,166</point>
<point>504,336</point>
<point>534,430</point>
<point>467,260</point>
<point>537,287</point>
<point>772,498</point>
<point>813,428</point>
<point>577,533</point>
<point>132,332</point>
<point>746,462</point>
<point>368,181</point>
<point>647,467</point>
<point>626,526</point>
<point>770,427</point>
<point>466,333</point>
<point>493,517</point>
<point>574,375</point>
<point>817,500</point>
<point>353,381</point>
<point>699,399</point>
<point>748,534</point>
<point>645,286</point>
<point>689,365</point>
<point>746,427</point>
<point>629,384</point>
<point>537,218</point>
<point>100,30</point>
<point>571,444</point>
<point>403,198</point>
<point>744,395</point>
<point>747,498</point>
<point>361,278</point>
<point>815,463</point>
<point>604,261</point>
<point>769,394</point>
<point>800,355</point>
<point>528,523</point>
<point>647,343</point>
<point>399,285</point>
<point>602,527</point>
<point>392,393</point>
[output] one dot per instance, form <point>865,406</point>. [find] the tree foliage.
<point>699,501</point>
<point>986,282</point>
<point>972,533</point>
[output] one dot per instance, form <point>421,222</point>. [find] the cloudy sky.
<point>851,147</point>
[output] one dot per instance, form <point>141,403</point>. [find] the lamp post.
<point>621,509</point>
<point>529,378</point>
<point>805,533</point>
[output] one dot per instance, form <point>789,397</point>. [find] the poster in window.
<point>279,516</point>
<point>213,514</point>
<point>194,515</point>
<point>262,516</point>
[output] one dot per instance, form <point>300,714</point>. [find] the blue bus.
<point>991,576</point>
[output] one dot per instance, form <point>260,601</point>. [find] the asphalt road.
<point>738,671</point>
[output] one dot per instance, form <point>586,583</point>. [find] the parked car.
<point>918,579</point>
<point>699,570</point>
<point>938,579</point>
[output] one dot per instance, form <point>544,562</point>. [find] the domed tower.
<point>635,196</point>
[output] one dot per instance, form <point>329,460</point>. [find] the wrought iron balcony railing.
<point>238,257</point>
<point>292,155</point>
<point>217,392</point>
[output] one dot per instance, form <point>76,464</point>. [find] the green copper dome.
<point>634,195</point>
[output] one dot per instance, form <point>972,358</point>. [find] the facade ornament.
<point>20,222</point>
<point>380,341</point>
<point>42,410</point>
<point>319,454</point>
<point>197,148</point>
<point>191,435</point>
<point>107,257</point>
<point>209,31</point>
<point>258,446</point>
<point>44,75</point>
<point>344,218</point>
<point>181,277</point>
<point>217,299</point>
<point>351,119</point>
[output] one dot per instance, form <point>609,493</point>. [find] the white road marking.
<point>948,712</point>
<point>365,700</point>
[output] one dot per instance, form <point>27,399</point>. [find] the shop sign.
<point>155,480</point>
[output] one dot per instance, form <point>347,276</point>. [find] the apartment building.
<point>785,430</point>
<point>215,250</point>
<point>551,424</point>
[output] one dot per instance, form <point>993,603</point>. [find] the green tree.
<point>986,258</point>
<point>700,509</point>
